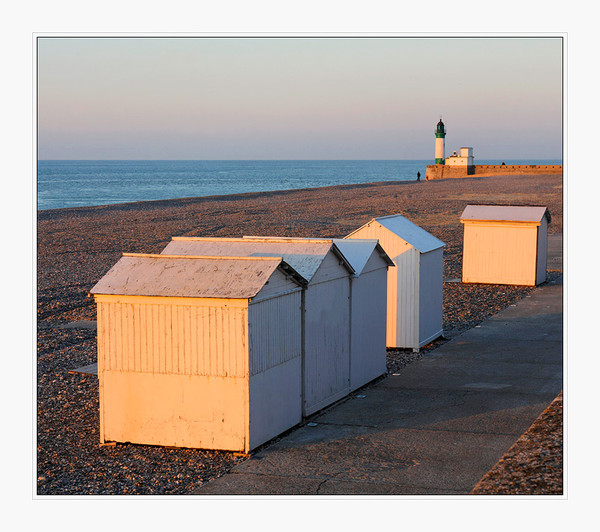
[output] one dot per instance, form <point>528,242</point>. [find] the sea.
<point>64,184</point>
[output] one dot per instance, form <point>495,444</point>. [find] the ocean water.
<point>62,184</point>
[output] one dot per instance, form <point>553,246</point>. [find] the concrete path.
<point>436,428</point>
<point>555,253</point>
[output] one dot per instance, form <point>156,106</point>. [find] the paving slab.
<point>485,350</point>
<point>434,429</point>
<point>405,460</point>
<point>478,410</point>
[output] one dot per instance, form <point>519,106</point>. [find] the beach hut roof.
<point>191,276</point>
<point>413,234</point>
<point>298,242</point>
<point>304,255</point>
<point>359,251</point>
<point>506,213</point>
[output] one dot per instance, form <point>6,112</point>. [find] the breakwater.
<point>442,171</point>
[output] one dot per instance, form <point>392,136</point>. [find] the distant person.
<point>418,176</point>
<point>503,163</point>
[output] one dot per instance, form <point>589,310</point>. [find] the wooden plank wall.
<point>172,336</point>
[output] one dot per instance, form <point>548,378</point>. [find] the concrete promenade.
<point>434,429</point>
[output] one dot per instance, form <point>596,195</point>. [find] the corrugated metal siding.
<point>499,253</point>
<point>275,366</point>
<point>376,262</point>
<point>392,245</point>
<point>404,302</point>
<point>277,284</point>
<point>327,350</point>
<point>275,401</point>
<point>407,302</point>
<point>168,338</point>
<point>369,309</point>
<point>278,335</point>
<point>330,269</point>
<point>542,252</point>
<point>431,296</point>
<point>403,287</point>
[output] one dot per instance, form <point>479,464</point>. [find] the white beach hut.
<point>187,354</point>
<point>368,308</point>
<point>415,285</point>
<point>325,325</point>
<point>505,244</point>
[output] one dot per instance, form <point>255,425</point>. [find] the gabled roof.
<point>191,276</point>
<point>413,234</point>
<point>298,242</point>
<point>302,254</point>
<point>359,251</point>
<point>506,213</point>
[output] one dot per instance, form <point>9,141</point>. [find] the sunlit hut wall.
<point>187,354</point>
<point>326,311</point>
<point>415,285</point>
<point>505,244</point>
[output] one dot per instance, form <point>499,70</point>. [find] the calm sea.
<point>63,184</point>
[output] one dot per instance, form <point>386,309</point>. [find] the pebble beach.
<point>77,246</point>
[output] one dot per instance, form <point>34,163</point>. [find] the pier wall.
<point>442,171</point>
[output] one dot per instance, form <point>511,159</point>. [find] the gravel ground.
<point>77,246</point>
<point>534,464</point>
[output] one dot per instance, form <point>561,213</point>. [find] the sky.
<point>297,98</point>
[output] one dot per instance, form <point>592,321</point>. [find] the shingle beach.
<point>77,246</point>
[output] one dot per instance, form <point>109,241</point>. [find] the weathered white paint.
<point>504,244</point>
<point>504,213</point>
<point>304,255</point>
<point>182,370</point>
<point>413,234</point>
<point>275,341</point>
<point>404,328</point>
<point>179,275</point>
<point>368,308</point>
<point>326,368</point>
<point>174,410</point>
<point>327,341</point>
<point>542,252</point>
<point>275,383</point>
<point>368,326</point>
<point>430,296</point>
<point>275,401</point>
<point>325,326</point>
<point>414,286</point>
<point>172,335</point>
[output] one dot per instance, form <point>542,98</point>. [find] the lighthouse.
<point>440,135</point>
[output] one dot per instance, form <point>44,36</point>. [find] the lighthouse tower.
<point>440,135</point>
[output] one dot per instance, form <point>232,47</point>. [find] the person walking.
<point>418,176</point>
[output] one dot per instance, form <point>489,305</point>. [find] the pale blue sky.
<point>297,98</point>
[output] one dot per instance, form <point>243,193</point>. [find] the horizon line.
<point>293,159</point>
